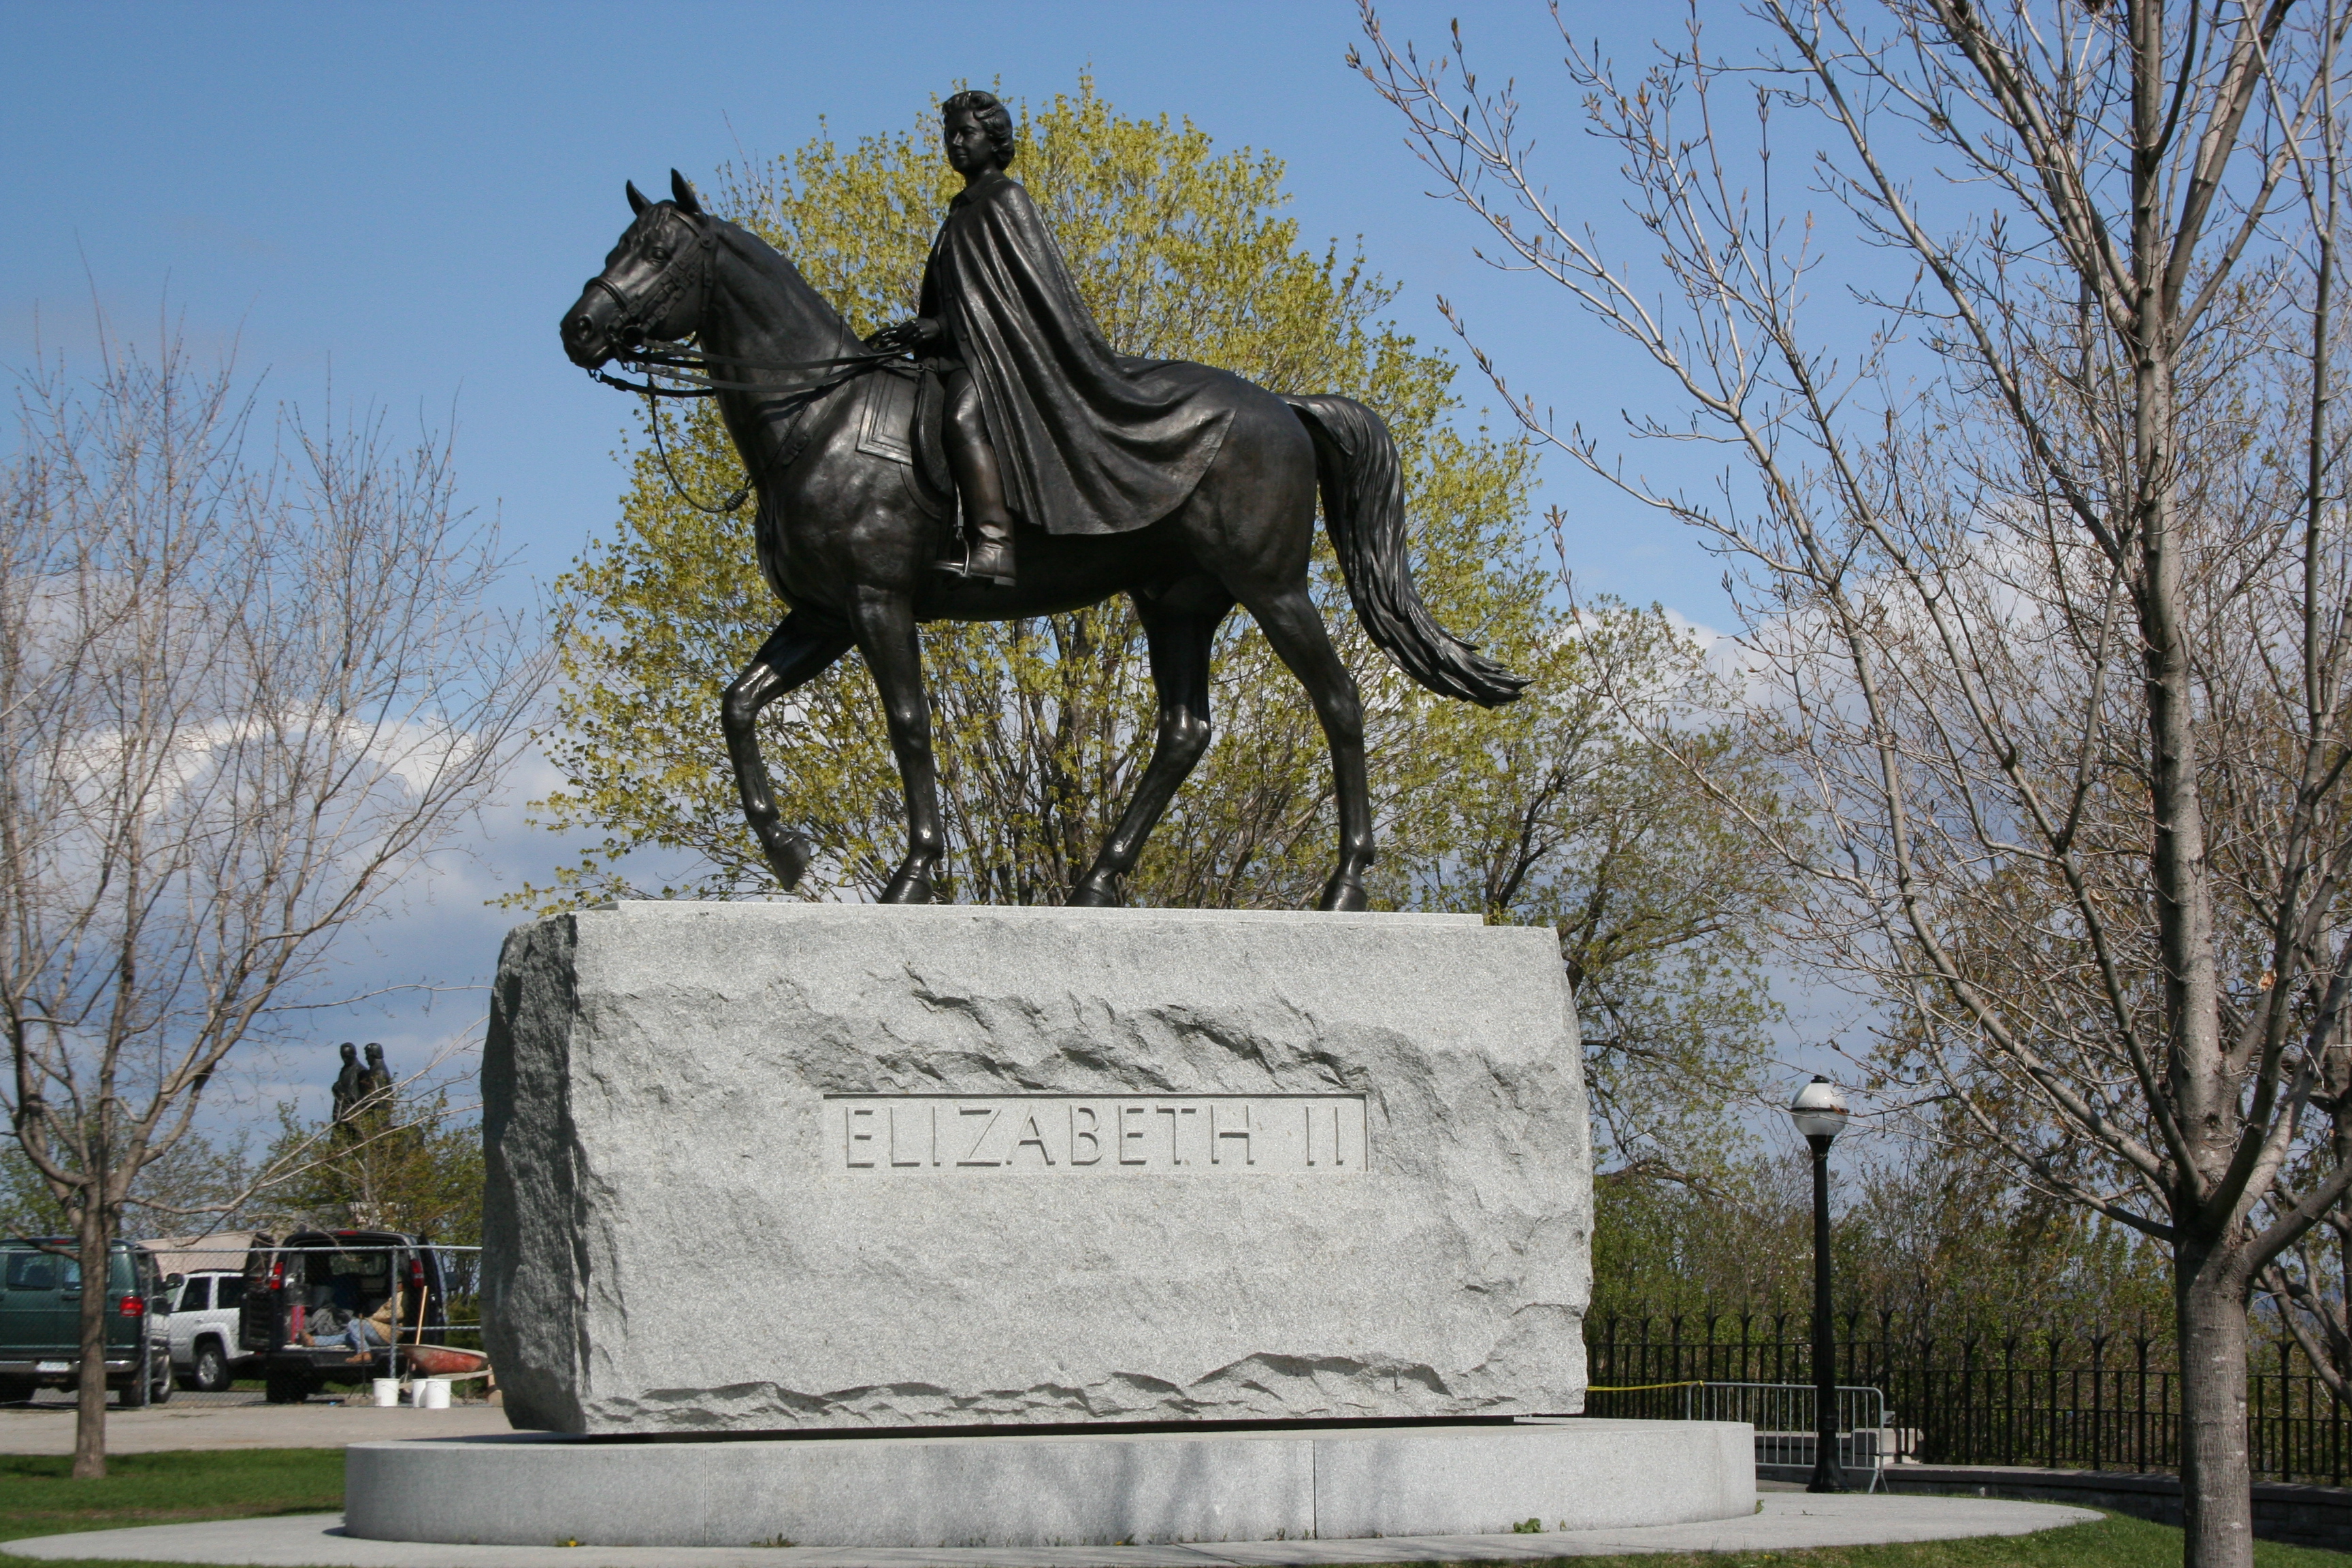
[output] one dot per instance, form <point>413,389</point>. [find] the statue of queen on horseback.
<point>1081,473</point>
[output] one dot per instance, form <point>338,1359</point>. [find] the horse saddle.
<point>903,418</point>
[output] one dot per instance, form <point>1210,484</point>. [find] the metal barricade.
<point>1783,1416</point>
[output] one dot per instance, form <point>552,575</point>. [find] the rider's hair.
<point>993,117</point>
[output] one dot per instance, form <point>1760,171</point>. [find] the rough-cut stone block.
<point>768,1166</point>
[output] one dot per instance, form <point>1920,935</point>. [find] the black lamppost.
<point>1819,1113</point>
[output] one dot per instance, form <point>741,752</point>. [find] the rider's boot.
<point>987,553</point>
<point>990,558</point>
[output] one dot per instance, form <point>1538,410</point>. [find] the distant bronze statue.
<point>1183,487</point>
<point>351,1084</point>
<point>378,1081</point>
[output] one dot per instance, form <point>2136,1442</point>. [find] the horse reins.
<point>695,368</point>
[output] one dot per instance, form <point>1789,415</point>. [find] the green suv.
<point>40,1320</point>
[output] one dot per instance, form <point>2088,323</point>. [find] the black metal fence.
<point>2088,1400</point>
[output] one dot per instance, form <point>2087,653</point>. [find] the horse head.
<point>655,284</point>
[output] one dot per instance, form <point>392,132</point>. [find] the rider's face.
<point>970,152</point>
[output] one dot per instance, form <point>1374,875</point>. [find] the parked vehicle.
<point>40,1320</point>
<point>203,1328</point>
<point>301,1293</point>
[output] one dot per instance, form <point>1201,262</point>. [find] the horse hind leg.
<point>1179,642</point>
<point>1298,638</point>
<point>801,648</point>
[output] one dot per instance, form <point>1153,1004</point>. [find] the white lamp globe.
<point>1819,1109</point>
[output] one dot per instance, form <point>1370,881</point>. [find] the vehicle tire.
<point>210,1372</point>
<point>132,1395</point>
<point>287,1387</point>
<point>14,1389</point>
<point>159,1391</point>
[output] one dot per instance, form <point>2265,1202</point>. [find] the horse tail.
<point>1363,508</point>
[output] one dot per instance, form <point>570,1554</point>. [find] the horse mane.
<point>775,268</point>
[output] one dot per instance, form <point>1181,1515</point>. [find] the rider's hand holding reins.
<point>907,335</point>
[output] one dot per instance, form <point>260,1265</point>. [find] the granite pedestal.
<point>816,1214</point>
<point>802,1167</point>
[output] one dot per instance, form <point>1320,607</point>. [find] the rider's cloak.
<point>1090,441</point>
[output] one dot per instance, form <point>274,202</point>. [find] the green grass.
<point>37,1497</point>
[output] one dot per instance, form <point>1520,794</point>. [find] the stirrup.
<point>1002,577</point>
<point>958,565</point>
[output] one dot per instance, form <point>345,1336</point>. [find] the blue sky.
<point>403,198</point>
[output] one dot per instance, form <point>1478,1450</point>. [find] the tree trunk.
<point>2217,1498</point>
<point>90,1408</point>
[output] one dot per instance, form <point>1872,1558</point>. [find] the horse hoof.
<point>910,886</point>
<point>1343,894</point>
<point>789,860</point>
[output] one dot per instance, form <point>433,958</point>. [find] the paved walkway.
<point>49,1429</point>
<point>1784,1522</point>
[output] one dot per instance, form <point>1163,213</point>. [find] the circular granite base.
<point>1282,1484</point>
<point>1781,1524</point>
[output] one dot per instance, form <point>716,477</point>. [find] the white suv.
<point>205,1351</point>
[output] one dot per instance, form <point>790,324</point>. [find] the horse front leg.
<point>1180,642</point>
<point>801,648</point>
<point>884,623</point>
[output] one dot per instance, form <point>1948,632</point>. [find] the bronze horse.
<point>847,540</point>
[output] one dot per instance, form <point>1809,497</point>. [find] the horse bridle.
<point>680,362</point>
<point>634,326</point>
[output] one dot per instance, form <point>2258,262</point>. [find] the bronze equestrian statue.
<point>1182,486</point>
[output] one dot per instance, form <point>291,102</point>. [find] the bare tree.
<point>246,686</point>
<point>2305,1282</point>
<point>2046,580</point>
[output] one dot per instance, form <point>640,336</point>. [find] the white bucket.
<point>433,1394</point>
<point>387,1392</point>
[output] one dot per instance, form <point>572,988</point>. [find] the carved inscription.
<point>1099,1135</point>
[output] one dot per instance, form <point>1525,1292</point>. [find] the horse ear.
<point>638,202</point>
<point>683,189</point>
